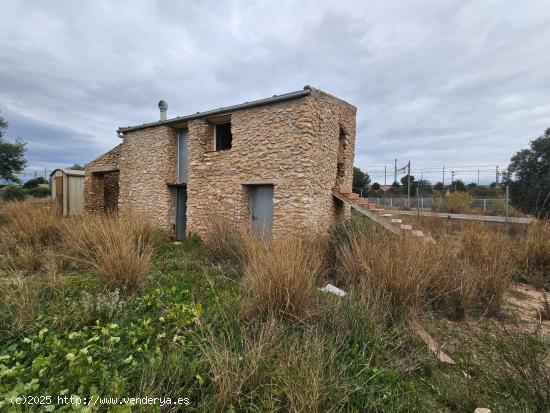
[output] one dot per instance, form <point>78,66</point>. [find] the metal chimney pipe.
<point>163,106</point>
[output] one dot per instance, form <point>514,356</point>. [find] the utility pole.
<point>477,176</point>
<point>44,173</point>
<point>452,177</point>
<point>35,172</point>
<point>409,183</point>
<point>496,181</point>
<point>421,176</point>
<point>395,171</point>
<point>443,176</point>
<point>385,174</point>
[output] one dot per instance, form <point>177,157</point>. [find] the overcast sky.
<point>446,82</point>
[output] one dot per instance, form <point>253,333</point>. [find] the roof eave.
<point>216,112</point>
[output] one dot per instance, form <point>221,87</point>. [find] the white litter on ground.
<point>329,288</point>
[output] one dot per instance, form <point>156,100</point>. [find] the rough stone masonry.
<point>301,143</point>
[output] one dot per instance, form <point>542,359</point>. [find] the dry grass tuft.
<point>117,248</point>
<point>232,373</point>
<point>402,276</point>
<point>488,257</point>
<point>225,238</point>
<point>533,251</point>
<point>258,358</point>
<point>26,229</point>
<point>19,303</point>
<point>279,275</point>
<point>34,238</point>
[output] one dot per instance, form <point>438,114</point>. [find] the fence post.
<point>484,204</point>
<point>391,202</point>
<point>417,206</point>
<point>506,207</point>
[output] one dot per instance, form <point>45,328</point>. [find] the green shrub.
<point>31,183</point>
<point>12,193</point>
<point>458,202</point>
<point>39,192</point>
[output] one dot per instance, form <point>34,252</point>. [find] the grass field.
<point>109,307</point>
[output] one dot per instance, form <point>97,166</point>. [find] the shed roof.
<point>70,172</point>
<point>223,110</point>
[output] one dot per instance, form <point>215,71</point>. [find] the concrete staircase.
<point>377,214</point>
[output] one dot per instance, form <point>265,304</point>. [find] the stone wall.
<point>101,188</point>
<point>334,128</point>
<point>269,146</point>
<point>147,164</point>
<point>293,145</point>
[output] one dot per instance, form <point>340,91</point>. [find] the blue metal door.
<point>262,209</point>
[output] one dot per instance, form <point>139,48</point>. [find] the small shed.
<point>68,190</point>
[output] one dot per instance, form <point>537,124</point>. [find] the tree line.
<point>527,176</point>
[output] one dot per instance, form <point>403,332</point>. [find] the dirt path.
<point>527,304</point>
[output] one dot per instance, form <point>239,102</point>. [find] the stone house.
<point>272,163</point>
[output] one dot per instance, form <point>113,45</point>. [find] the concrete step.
<point>363,201</point>
<point>372,206</point>
<point>353,196</point>
<point>406,226</point>
<point>388,215</point>
<point>396,220</point>
<point>377,211</point>
<point>417,233</point>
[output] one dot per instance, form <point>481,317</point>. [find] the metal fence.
<point>430,203</point>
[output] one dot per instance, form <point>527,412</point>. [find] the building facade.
<point>271,163</point>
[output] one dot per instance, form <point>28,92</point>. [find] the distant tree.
<point>395,188</point>
<point>439,186</point>
<point>424,186</point>
<point>458,185</point>
<point>361,180</point>
<point>31,183</point>
<point>41,180</point>
<point>405,180</point>
<point>405,183</point>
<point>528,176</point>
<point>12,155</point>
<point>77,167</point>
<point>375,186</point>
<point>471,186</point>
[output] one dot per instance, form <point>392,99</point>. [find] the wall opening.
<point>222,136</point>
<point>103,192</point>
<point>110,191</point>
<point>341,163</point>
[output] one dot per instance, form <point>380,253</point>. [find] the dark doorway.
<point>110,191</point>
<point>181,212</point>
<point>261,209</point>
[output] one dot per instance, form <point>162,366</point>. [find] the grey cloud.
<point>439,82</point>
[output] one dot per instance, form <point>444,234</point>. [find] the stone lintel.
<point>102,168</point>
